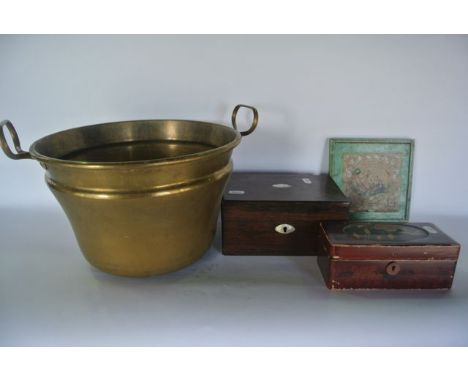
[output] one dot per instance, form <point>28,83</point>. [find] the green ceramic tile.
<point>375,174</point>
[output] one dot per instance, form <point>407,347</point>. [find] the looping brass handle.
<point>254,122</point>
<point>20,153</point>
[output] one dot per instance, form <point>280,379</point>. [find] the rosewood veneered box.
<point>278,213</point>
<point>381,255</point>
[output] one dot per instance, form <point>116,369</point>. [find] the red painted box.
<point>382,255</point>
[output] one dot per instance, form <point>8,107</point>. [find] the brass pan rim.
<point>205,154</point>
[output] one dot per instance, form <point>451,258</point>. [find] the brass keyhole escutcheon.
<point>393,269</point>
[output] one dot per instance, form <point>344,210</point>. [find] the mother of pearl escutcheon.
<point>285,229</point>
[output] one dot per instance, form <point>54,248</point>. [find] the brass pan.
<point>142,196</point>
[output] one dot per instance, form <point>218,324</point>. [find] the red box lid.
<point>385,240</point>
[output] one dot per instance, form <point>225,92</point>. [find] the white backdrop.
<point>306,88</point>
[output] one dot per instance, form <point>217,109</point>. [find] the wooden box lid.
<point>360,240</point>
<point>282,187</point>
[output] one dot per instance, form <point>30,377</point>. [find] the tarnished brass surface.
<point>142,196</point>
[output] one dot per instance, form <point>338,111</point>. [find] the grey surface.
<point>306,89</point>
<point>49,295</point>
